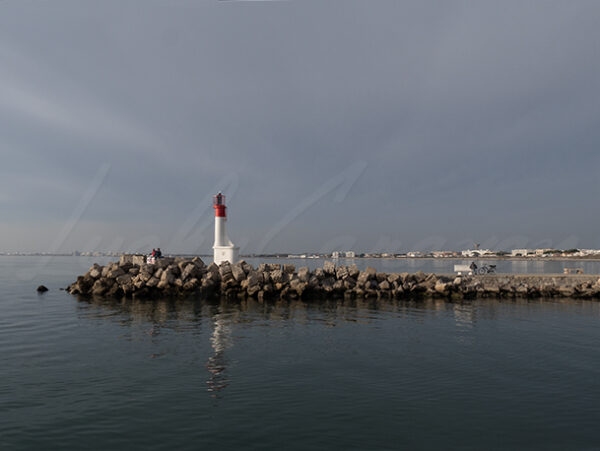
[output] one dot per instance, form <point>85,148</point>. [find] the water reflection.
<point>190,315</point>
<point>217,363</point>
<point>207,332</point>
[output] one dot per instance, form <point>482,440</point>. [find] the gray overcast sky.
<point>366,125</point>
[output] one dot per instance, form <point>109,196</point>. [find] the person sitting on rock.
<point>154,252</point>
<point>158,253</point>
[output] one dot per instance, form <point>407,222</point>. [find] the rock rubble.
<point>178,277</point>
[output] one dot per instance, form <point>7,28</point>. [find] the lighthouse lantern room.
<point>224,250</point>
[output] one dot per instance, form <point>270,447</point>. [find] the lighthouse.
<point>224,250</point>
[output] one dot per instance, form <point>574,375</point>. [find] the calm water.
<point>196,375</point>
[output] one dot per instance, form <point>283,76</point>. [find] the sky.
<point>329,125</point>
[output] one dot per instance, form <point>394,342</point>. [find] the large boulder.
<point>277,276</point>
<point>138,260</point>
<point>147,271</point>
<point>95,271</point>
<point>338,286</point>
<point>342,273</point>
<point>126,258</point>
<point>238,272</point>
<point>441,287</point>
<point>134,271</point>
<point>289,269</point>
<point>268,267</point>
<point>190,271</point>
<point>124,279</point>
<point>304,274</point>
<point>314,282</point>
<point>106,269</point>
<point>298,286</point>
<point>225,271</point>
<point>115,272</point>
<point>319,273</point>
<point>384,285</point>
<point>394,277</point>
<point>164,262</point>
<point>198,262</point>
<point>329,268</point>
<point>381,276</point>
<point>247,267</point>
<point>191,284</point>
<point>174,269</point>
<point>101,286</point>
<point>327,284</point>
<point>363,278</point>
<point>83,284</point>
<point>167,278</point>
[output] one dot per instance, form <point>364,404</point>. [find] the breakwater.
<point>181,277</point>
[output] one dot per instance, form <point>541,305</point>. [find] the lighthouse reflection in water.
<point>217,363</point>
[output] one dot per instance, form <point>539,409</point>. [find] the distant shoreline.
<point>285,257</point>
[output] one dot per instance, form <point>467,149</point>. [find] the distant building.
<point>444,254</point>
<point>343,254</point>
<point>477,253</point>
<point>522,252</point>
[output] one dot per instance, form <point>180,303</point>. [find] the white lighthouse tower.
<point>224,250</point>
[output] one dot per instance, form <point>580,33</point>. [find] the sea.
<point>347,375</point>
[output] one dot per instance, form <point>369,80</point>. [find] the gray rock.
<point>174,268</point>
<point>190,271</point>
<point>254,279</point>
<point>298,286</point>
<point>276,276</point>
<point>191,284</point>
<point>198,262</point>
<point>167,278</point>
<point>114,273</point>
<point>138,260</point>
<point>124,279</point>
<point>441,287</point>
<point>225,271</point>
<point>338,285</point>
<point>126,259</point>
<point>381,276</point>
<point>246,267</point>
<point>363,278</point>
<point>329,268</point>
<point>238,272</point>
<point>134,271</point>
<point>342,273</point>
<point>101,286</point>
<point>304,274</point>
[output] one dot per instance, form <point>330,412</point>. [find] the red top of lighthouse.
<point>219,206</point>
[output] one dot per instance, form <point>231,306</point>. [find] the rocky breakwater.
<point>178,277</point>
